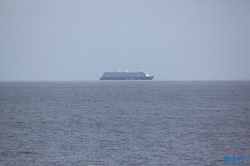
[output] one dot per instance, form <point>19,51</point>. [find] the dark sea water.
<point>124,123</point>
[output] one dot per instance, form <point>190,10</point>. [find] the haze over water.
<point>124,123</point>
<point>95,123</point>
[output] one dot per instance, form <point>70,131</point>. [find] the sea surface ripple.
<point>124,123</point>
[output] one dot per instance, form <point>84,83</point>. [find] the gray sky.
<point>78,40</point>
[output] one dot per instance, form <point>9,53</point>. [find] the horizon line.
<point>122,80</point>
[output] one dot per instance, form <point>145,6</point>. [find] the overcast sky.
<point>80,39</point>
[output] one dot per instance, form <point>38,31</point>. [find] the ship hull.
<point>127,78</point>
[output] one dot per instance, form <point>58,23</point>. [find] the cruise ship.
<point>125,75</point>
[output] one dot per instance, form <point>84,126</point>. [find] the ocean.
<point>124,123</point>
